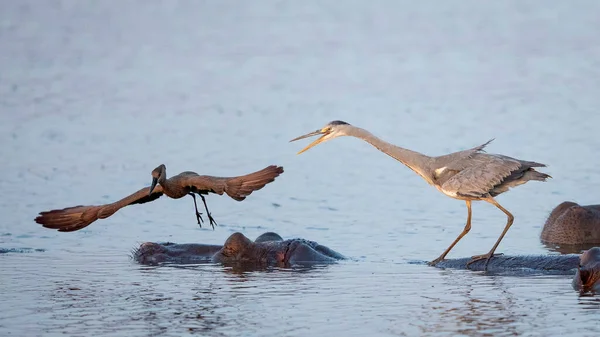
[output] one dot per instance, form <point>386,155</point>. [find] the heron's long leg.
<point>460,236</point>
<point>210,218</point>
<point>509,223</point>
<point>198,214</point>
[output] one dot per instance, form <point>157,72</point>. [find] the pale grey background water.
<point>94,94</point>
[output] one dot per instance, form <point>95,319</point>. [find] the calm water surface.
<point>94,95</point>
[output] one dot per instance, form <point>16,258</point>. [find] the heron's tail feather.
<point>532,174</point>
<point>531,164</point>
<point>240,187</point>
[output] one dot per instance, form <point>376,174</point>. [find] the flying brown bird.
<point>186,183</point>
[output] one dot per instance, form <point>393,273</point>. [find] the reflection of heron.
<point>75,218</point>
<point>465,175</point>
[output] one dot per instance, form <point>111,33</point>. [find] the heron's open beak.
<point>315,133</point>
<point>153,185</point>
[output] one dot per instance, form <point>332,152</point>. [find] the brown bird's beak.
<point>153,185</point>
<point>322,132</point>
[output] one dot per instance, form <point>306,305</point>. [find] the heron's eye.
<point>326,129</point>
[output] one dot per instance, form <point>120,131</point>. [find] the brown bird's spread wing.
<point>237,188</point>
<point>481,173</point>
<point>75,218</point>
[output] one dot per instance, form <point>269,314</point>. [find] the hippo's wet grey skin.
<point>586,267</point>
<point>268,249</point>
<point>155,253</point>
<point>526,264</point>
<point>570,224</point>
<point>587,277</point>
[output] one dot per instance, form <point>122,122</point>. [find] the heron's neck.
<point>416,161</point>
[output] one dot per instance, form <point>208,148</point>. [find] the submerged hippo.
<point>585,267</point>
<point>572,224</point>
<point>268,249</point>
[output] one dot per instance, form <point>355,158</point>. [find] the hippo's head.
<point>269,249</point>
<point>588,272</point>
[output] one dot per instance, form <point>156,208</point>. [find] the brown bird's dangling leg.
<point>210,218</point>
<point>490,254</point>
<point>463,233</point>
<point>198,214</point>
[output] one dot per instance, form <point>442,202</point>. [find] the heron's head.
<point>331,130</point>
<point>157,174</point>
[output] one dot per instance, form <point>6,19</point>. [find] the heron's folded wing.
<point>480,174</point>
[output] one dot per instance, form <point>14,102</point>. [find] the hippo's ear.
<point>268,236</point>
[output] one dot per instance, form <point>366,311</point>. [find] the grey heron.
<point>467,175</point>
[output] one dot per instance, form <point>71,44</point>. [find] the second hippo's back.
<point>572,224</point>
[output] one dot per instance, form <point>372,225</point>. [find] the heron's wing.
<point>478,175</point>
<point>75,218</point>
<point>237,188</point>
<point>456,160</point>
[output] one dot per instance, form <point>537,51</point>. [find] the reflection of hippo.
<point>587,277</point>
<point>572,224</point>
<point>585,267</point>
<point>268,249</point>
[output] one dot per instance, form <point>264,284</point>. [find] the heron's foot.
<point>211,220</point>
<point>436,261</point>
<point>485,257</point>
<point>199,218</point>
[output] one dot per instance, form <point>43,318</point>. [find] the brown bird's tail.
<point>240,187</point>
<point>73,218</point>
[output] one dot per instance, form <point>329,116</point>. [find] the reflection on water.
<point>569,249</point>
<point>241,268</point>
<point>473,313</point>
<point>93,95</point>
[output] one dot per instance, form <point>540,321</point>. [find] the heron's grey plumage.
<point>483,175</point>
<point>466,175</point>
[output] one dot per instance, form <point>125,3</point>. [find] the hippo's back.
<point>571,224</point>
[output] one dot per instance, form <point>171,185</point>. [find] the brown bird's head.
<point>158,174</point>
<point>331,130</point>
